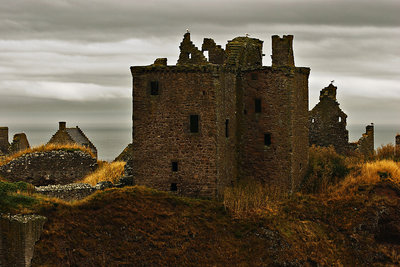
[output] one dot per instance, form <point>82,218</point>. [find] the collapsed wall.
<point>18,235</point>
<point>50,167</point>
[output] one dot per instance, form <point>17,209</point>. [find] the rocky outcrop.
<point>51,167</point>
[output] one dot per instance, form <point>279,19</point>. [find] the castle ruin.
<point>19,143</point>
<point>219,115</point>
<point>327,126</point>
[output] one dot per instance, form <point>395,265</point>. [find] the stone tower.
<point>206,122</point>
<point>282,51</point>
<point>4,144</point>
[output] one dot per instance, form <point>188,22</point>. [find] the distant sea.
<point>110,140</point>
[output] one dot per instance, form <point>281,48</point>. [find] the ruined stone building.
<point>19,143</point>
<point>397,145</point>
<point>73,135</point>
<point>327,126</point>
<point>219,115</point>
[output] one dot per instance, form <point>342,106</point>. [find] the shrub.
<point>385,152</point>
<point>11,197</point>
<point>370,173</point>
<point>325,168</point>
<point>251,198</point>
<point>106,172</point>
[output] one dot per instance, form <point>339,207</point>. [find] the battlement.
<point>328,92</point>
<point>282,51</point>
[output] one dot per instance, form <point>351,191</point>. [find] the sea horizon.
<point>111,138</point>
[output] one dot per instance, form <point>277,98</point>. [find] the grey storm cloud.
<point>103,19</point>
<point>74,56</point>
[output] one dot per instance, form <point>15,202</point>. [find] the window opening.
<point>257,105</point>
<point>207,56</point>
<point>227,128</point>
<point>174,166</point>
<point>194,123</point>
<point>254,76</point>
<point>174,187</point>
<point>190,55</point>
<point>267,139</point>
<point>154,88</point>
<point>340,119</point>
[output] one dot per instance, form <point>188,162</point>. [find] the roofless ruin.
<point>219,115</point>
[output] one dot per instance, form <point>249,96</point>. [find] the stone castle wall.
<point>235,139</point>
<point>283,116</point>
<point>68,192</point>
<point>4,145</point>
<point>161,130</point>
<point>18,235</point>
<point>52,167</point>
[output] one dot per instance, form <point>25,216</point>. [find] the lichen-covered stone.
<point>50,167</point>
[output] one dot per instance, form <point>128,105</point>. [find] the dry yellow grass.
<point>106,172</point>
<point>369,173</point>
<point>45,148</point>
<point>252,198</point>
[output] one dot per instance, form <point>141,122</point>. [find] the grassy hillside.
<point>136,226</point>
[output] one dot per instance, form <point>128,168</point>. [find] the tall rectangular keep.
<point>202,124</point>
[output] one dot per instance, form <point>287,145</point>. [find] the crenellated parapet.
<point>282,51</point>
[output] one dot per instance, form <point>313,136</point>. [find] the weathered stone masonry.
<point>51,167</point>
<point>327,124</point>
<point>204,123</point>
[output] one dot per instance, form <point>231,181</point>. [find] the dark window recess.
<point>154,88</point>
<point>174,187</point>
<point>254,76</point>
<point>245,112</point>
<point>257,105</point>
<point>267,139</point>
<point>194,123</point>
<point>226,128</point>
<point>174,166</point>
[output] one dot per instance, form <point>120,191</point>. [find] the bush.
<point>325,168</point>
<point>386,152</point>
<point>250,197</point>
<point>369,174</point>
<point>11,197</point>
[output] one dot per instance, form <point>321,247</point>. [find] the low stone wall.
<point>18,235</point>
<point>51,167</point>
<point>69,192</point>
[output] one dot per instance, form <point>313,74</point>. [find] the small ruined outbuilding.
<point>328,122</point>
<point>74,135</point>
<point>327,126</point>
<point>219,115</point>
<point>19,143</point>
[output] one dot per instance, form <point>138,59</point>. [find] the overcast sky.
<point>69,59</point>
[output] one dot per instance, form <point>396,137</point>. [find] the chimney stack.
<point>62,125</point>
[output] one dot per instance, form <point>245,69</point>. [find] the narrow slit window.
<point>227,128</point>
<point>174,166</point>
<point>174,187</point>
<point>190,55</point>
<point>194,123</point>
<point>267,139</point>
<point>206,55</point>
<point>154,88</point>
<point>257,105</point>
